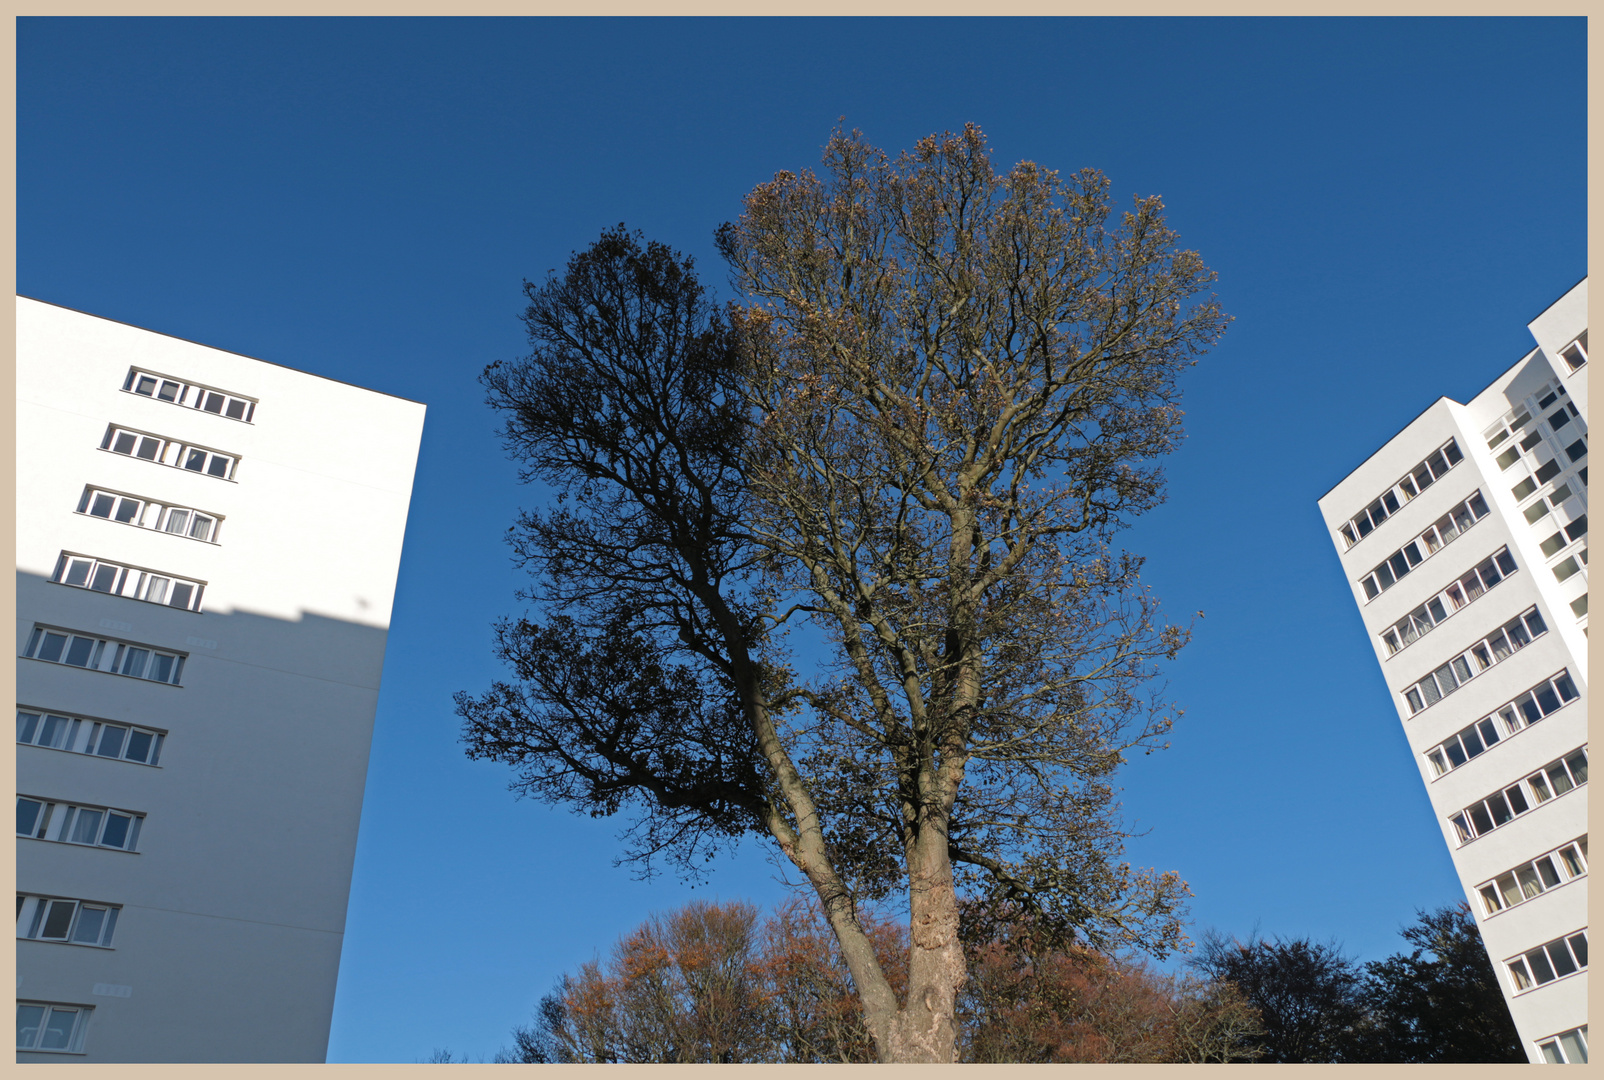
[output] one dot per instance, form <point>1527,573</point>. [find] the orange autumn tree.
<point>715,983</point>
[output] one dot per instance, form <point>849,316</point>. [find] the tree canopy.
<point>941,394</point>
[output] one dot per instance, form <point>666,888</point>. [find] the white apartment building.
<point>1464,539</point>
<point>207,548</point>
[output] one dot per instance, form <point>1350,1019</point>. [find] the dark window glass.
<point>1546,400</point>
<point>78,651</point>
<point>58,920</point>
<point>1576,450</point>
<point>1437,464</point>
<point>218,467</point>
<point>1452,451</point>
<point>1472,742</point>
<point>1489,731</point>
<point>105,578</point>
<point>1390,501</point>
<point>162,669</point>
<point>124,443</point>
<point>116,831</point>
<point>1478,505</point>
<point>1531,440</point>
<point>1558,420</point>
<point>1547,699</point>
<point>1480,818</point>
<point>1561,956</point>
<point>1579,947</point>
<point>111,741</point>
<point>1552,545</point>
<point>127,510</point>
<point>1567,689</point>
<point>1524,488</point>
<point>1578,764</point>
<point>149,448</point>
<point>181,595</point>
<point>102,506</point>
<point>1535,623</point>
<point>53,644</point>
<point>1548,471</point>
<point>1423,477</point>
<point>1546,871</point>
<point>196,461</point>
<point>1456,753</point>
<point>147,386</point>
<point>1560,778</point>
<point>138,746</point>
<point>1363,521</point>
<point>1371,589</point>
<point>236,409</point>
<point>214,403</point>
<point>168,392</point>
<point>1517,801</point>
<point>1577,529</point>
<point>27,816</point>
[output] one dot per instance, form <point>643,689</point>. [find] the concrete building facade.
<point>1464,539</point>
<point>207,549</point>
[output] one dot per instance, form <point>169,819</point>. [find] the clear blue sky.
<point>1387,204</point>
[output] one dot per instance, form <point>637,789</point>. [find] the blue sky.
<point>1387,203</point>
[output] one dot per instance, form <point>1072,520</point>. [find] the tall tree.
<point>948,389</point>
<point>1441,1001</point>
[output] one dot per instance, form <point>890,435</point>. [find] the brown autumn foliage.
<point>715,983</point>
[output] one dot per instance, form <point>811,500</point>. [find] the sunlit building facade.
<point>207,548</point>
<point>1464,539</point>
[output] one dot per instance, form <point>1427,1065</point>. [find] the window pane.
<point>1547,699</point>
<point>29,1017</point>
<point>90,921</point>
<point>177,521</point>
<point>28,816</point>
<point>1575,1049</point>
<point>1552,545</point>
<point>1510,891</point>
<point>116,831</point>
<point>78,571</point>
<point>124,443</point>
<point>102,506</point>
<point>1561,957</point>
<point>1565,569</point>
<point>58,1028</point>
<point>1551,1053</point>
<point>78,651</point>
<point>1445,678</point>
<point>1578,764</point>
<point>1498,806</point>
<point>219,466</point>
<point>134,662</point>
<point>181,595</point>
<point>1561,781</point>
<point>52,646</point>
<point>105,577</point>
<point>1539,786</point>
<point>55,732</point>
<point>1505,561</point>
<point>1517,800</point>
<point>111,741</point>
<point>1461,668</point>
<point>1452,452</point>
<point>127,510</point>
<point>1489,900</point>
<point>1412,695</point>
<point>1428,687</point>
<point>1456,753</point>
<point>1480,818</point>
<point>236,409</point>
<point>138,746</point>
<point>1529,885</point>
<point>57,920</point>
<point>1462,825</point>
<point>1576,450</point>
<point>156,590</point>
<point>86,828</point>
<point>1579,947</point>
<point>1546,871</point>
<point>214,403</point>
<point>1508,458</point>
<point>1471,741</point>
<point>1523,489</point>
<point>149,448</point>
<point>1572,861</point>
<point>27,724</point>
<point>168,392</point>
<point>1529,709</point>
<point>146,386</point>
<point>201,528</point>
<point>196,460</point>
<point>162,669</point>
<point>1537,959</point>
<point>1566,688</point>
<point>1501,645</point>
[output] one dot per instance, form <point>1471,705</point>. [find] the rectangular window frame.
<point>171,453</point>
<point>76,570</point>
<point>1540,966</point>
<point>1494,649</point>
<point>1508,720</point>
<point>53,729</point>
<point>152,515</point>
<point>109,656</point>
<point>1445,530</point>
<point>55,821</point>
<point>1501,807</point>
<point>74,1043</point>
<point>1475,583</point>
<point>36,914</point>
<point>1436,465</point>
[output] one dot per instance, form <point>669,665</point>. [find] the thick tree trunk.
<point>924,1030</point>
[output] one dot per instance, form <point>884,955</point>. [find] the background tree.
<point>1309,996</point>
<point>1440,1002</point>
<point>949,390</point>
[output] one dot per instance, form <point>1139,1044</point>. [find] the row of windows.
<point>1545,698</point>
<point>1545,872</point>
<point>151,385</point>
<point>1425,618</point>
<point>1508,639</point>
<point>1560,957</point>
<point>69,823</point>
<point>121,742</point>
<point>1411,555</point>
<point>1502,807</point>
<point>74,922</point>
<point>46,1026</point>
<point>1549,469</point>
<point>172,452</point>
<point>1568,1047</point>
<point>98,575</point>
<point>1415,481</point>
<point>104,654</point>
<point>160,517</point>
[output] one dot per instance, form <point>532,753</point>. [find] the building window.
<point>1443,532</point>
<point>1555,960</point>
<point>1502,807</point>
<point>68,823</point>
<point>133,510</point>
<point>103,654</point>
<point>163,388</point>
<point>71,922</point>
<point>171,452</point>
<point>1566,1048</point>
<point>1575,355</point>
<point>1540,701</point>
<point>1545,872</point>
<point>47,1027</point>
<point>1425,618</point>
<point>1508,639</point>
<point>98,738</point>
<point>1415,481</point>
<point>115,579</point>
